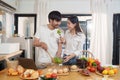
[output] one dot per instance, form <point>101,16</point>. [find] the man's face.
<point>55,23</point>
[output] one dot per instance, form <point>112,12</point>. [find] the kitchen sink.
<point>7,48</point>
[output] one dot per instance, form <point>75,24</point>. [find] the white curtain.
<point>100,43</point>
<point>41,7</point>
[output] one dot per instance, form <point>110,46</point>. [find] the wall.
<point>115,6</point>
<point>26,6</point>
<point>64,6</point>
<point>70,6</point>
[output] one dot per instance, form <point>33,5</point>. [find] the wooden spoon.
<point>50,57</point>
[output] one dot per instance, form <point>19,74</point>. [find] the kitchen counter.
<point>71,76</point>
<point>6,56</point>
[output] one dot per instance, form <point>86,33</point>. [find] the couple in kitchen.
<point>49,41</point>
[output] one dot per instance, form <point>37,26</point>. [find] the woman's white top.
<point>74,43</point>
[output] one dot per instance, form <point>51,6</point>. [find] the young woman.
<point>74,40</point>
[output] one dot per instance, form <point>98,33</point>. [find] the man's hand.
<point>44,46</point>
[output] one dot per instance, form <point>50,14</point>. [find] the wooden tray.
<point>74,69</point>
<point>63,74</point>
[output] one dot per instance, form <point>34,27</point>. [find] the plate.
<point>28,78</point>
<point>82,71</point>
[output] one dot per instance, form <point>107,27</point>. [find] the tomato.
<point>54,75</point>
<point>92,69</point>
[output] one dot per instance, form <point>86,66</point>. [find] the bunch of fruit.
<point>107,70</point>
<point>49,76</point>
<point>93,64</point>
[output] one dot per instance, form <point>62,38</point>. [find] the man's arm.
<point>38,43</point>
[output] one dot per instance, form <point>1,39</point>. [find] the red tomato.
<point>54,75</point>
<point>92,69</point>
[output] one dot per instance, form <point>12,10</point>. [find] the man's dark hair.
<point>54,15</point>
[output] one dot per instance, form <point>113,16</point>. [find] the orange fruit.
<point>115,70</point>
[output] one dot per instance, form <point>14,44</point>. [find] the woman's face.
<point>70,25</point>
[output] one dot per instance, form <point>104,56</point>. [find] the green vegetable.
<point>94,64</point>
<point>59,31</point>
<point>57,60</point>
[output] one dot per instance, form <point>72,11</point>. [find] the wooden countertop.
<point>10,55</point>
<point>71,76</point>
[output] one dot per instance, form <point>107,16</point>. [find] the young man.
<point>47,39</point>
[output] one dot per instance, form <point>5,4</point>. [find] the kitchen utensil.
<point>50,56</point>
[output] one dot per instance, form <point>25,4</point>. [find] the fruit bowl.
<point>106,70</point>
<point>30,74</point>
<point>98,73</point>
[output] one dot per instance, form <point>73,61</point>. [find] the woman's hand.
<point>66,58</point>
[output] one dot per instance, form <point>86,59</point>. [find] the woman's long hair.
<point>74,20</point>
